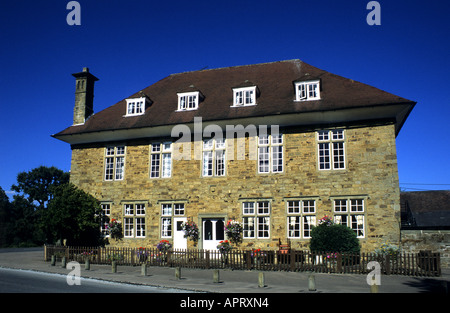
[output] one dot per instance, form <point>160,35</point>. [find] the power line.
<point>424,184</point>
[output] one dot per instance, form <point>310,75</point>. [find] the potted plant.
<point>224,247</point>
<point>164,246</point>
<point>234,229</point>
<point>141,254</point>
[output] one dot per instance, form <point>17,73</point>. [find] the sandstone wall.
<point>371,173</point>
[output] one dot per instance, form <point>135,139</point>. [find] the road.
<point>25,281</point>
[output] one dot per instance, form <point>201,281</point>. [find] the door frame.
<point>203,216</point>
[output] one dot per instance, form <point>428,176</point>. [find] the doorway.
<point>179,242</point>
<point>213,232</point>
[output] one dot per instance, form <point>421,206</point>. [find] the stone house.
<point>425,223</point>
<point>274,146</point>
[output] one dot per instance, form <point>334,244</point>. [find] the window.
<point>106,208</point>
<point>244,96</point>
<point>301,218</point>
<point>168,211</point>
<point>135,106</point>
<point>307,91</point>
<point>350,212</point>
<point>270,153</point>
<point>213,157</point>
<point>188,101</point>
<point>114,163</point>
<point>331,149</point>
<point>161,160</point>
<point>256,219</point>
<point>134,220</point>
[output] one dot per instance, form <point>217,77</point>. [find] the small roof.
<point>276,96</point>
<point>428,208</point>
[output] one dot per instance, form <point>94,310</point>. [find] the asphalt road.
<point>25,281</point>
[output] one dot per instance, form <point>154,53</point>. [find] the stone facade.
<point>370,174</point>
<point>415,241</point>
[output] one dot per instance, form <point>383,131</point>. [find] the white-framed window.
<point>309,90</point>
<point>168,211</point>
<point>256,219</point>
<point>161,160</point>
<point>188,101</point>
<point>134,220</point>
<point>301,218</point>
<point>213,162</point>
<point>106,208</point>
<point>114,163</point>
<point>244,96</point>
<point>135,106</point>
<point>331,149</point>
<point>270,154</point>
<point>350,212</point>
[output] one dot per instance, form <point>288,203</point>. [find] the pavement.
<point>231,281</point>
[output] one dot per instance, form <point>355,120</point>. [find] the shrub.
<point>330,237</point>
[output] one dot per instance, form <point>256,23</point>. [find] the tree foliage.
<point>330,237</point>
<point>73,215</point>
<point>37,185</point>
<point>47,208</point>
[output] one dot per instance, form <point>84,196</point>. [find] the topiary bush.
<point>331,237</point>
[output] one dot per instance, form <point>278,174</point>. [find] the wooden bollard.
<point>63,262</point>
<point>261,280</point>
<point>311,283</point>
<point>114,267</point>
<point>87,264</point>
<point>144,269</point>
<point>178,272</point>
<point>216,276</point>
<point>53,260</point>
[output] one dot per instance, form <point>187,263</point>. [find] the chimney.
<point>84,96</point>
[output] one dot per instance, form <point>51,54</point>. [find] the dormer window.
<point>309,90</point>
<point>135,106</point>
<point>244,96</point>
<point>188,101</point>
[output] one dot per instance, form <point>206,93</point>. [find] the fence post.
<point>339,263</point>
<point>249,260</point>
<point>388,264</point>
<point>207,259</point>
<point>292,257</point>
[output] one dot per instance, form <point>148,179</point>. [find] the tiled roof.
<point>276,96</point>
<point>428,208</point>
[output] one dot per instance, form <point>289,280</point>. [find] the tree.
<point>73,215</point>
<point>330,237</point>
<point>5,219</point>
<point>38,184</point>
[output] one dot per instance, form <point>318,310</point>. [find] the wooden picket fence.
<point>424,263</point>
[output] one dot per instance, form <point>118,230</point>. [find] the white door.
<point>179,242</point>
<point>213,232</point>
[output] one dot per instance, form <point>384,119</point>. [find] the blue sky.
<point>129,45</point>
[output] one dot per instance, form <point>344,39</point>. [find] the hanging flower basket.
<point>190,230</point>
<point>326,220</point>
<point>234,229</point>
<point>115,229</point>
